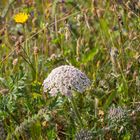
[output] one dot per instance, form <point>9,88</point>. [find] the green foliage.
<point>101,38</point>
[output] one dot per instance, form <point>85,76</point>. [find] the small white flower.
<point>65,79</point>
<point>117,114</point>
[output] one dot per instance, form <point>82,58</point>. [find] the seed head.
<point>36,50</point>
<point>65,79</point>
<point>117,114</point>
<point>84,135</point>
<point>113,54</point>
<point>15,61</point>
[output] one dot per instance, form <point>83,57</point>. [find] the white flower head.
<point>117,114</point>
<point>65,79</point>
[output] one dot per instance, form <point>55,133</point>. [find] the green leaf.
<point>110,99</point>
<point>127,136</point>
<point>36,95</point>
<point>104,27</point>
<point>88,57</point>
<point>36,131</point>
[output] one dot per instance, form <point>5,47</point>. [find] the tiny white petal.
<point>65,79</point>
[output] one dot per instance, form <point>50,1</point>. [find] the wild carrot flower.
<point>117,114</point>
<point>84,135</point>
<point>3,134</point>
<point>65,79</point>
<point>21,18</point>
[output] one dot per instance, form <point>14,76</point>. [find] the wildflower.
<point>21,17</point>
<point>84,135</point>
<point>3,134</point>
<point>66,79</point>
<point>117,114</point>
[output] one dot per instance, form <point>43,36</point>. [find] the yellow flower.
<point>21,17</point>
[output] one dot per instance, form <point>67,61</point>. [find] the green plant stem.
<point>74,106</point>
<point>29,62</point>
<point>12,116</point>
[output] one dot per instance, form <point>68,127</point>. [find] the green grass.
<point>101,38</point>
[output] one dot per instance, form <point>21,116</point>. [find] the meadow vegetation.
<point>101,38</point>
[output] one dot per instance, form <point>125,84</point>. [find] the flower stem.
<point>74,106</point>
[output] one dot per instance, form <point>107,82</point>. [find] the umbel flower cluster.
<point>84,135</point>
<point>65,79</point>
<point>2,131</point>
<point>117,114</point>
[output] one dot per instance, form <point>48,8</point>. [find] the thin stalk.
<point>74,106</point>
<point>29,62</point>
<point>96,106</point>
<point>123,77</point>
<point>36,65</point>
